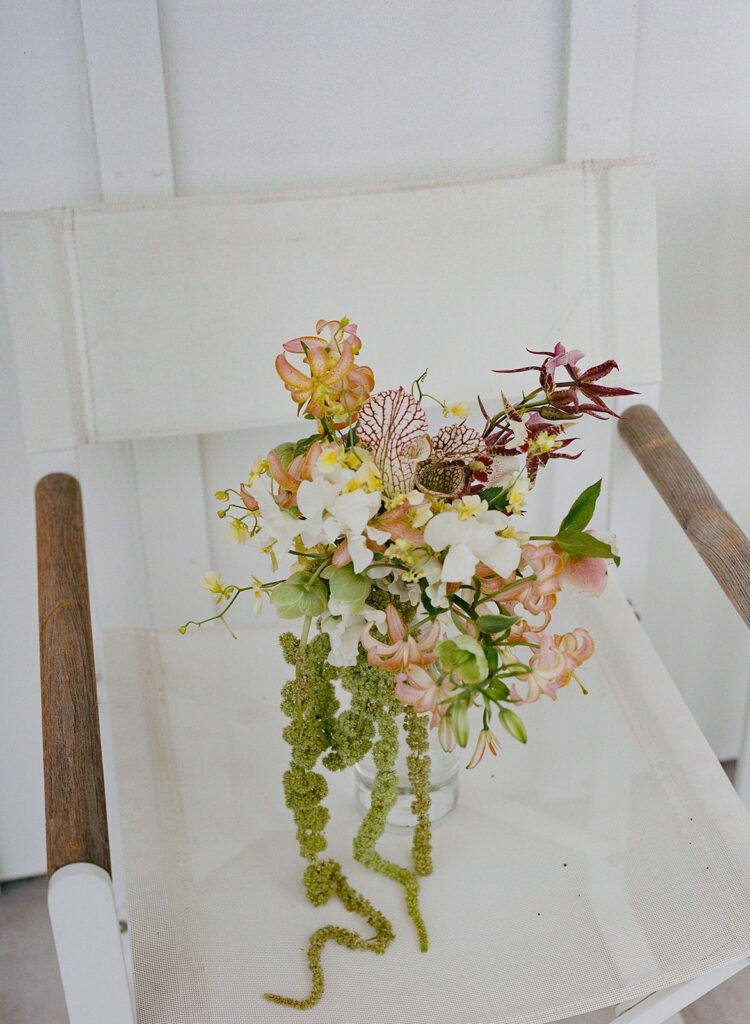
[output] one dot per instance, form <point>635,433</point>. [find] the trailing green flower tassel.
<point>319,730</point>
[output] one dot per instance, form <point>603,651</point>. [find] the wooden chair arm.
<point>76,814</point>
<point>714,534</point>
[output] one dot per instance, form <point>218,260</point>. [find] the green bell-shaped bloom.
<point>465,656</point>
<point>299,596</point>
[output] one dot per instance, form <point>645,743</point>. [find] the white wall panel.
<point>46,133</point>
<point>272,96</point>
<point>691,111</point>
<point>47,158</point>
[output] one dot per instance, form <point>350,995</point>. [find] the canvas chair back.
<point>151,329</point>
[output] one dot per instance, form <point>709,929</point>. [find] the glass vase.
<point>444,771</point>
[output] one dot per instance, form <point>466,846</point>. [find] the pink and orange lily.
<point>337,387</point>
<point>404,649</point>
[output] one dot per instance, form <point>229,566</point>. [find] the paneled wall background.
<point>118,101</point>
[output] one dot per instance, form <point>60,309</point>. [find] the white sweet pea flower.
<point>470,532</point>
<point>344,628</point>
<point>330,511</point>
<point>432,571</point>
<point>277,524</point>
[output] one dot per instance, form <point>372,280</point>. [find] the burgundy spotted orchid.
<point>563,398</point>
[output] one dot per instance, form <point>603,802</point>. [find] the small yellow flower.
<point>471,505</point>
<point>222,495</point>
<point>272,555</point>
<point>328,460</point>
<point>238,532</point>
<point>517,495</point>
<point>211,581</point>
<point>460,410</point>
<point>257,469</point>
<point>258,592</point>
<point>366,477</point>
<point>520,535</point>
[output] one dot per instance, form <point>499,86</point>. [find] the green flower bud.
<point>446,736</point>
<point>464,655</point>
<point>513,724</point>
<point>459,720</point>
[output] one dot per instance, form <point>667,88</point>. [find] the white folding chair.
<point>606,863</point>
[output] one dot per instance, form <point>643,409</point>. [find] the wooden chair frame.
<point>81,902</point>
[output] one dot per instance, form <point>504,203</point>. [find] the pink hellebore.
<point>486,739</point>
<point>403,650</point>
<point>588,575</point>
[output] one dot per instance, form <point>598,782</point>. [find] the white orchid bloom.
<point>470,532</point>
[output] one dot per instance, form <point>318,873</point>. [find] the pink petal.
<point>585,575</point>
<point>395,624</point>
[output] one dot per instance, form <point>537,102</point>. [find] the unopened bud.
<point>460,723</point>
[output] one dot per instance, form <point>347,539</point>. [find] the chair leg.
<point>660,1006</point>
<point>89,951</point>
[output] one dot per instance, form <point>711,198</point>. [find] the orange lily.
<point>289,479</point>
<point>336,385</point>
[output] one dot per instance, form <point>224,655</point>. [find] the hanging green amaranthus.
<point>319,731</point>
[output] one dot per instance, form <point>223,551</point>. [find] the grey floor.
<point>31,993</point>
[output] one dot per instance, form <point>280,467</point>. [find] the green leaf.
<point>304,444</point>
<point>285,453</point>
<point>582,509</point>
<point>498,689</point>
<point>513,724</point>
<point>496,497</point>
<point>315,599</point>
<point>496,623</point>
<point>583,545</point>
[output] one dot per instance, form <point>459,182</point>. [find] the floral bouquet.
<point>432,603</point>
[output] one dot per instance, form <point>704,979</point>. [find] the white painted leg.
<point>87,940</point>
<point>661,1006</point>
<point>742,771</point>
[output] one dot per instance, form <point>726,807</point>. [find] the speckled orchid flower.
<point>393,424</point>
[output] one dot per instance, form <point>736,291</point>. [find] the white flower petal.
<point>459,564</point>
<point>442,530</point>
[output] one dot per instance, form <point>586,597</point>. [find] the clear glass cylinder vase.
<point>444,771</point>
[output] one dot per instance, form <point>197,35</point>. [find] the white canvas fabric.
<point>608,858</point>
<point>129,320</point>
